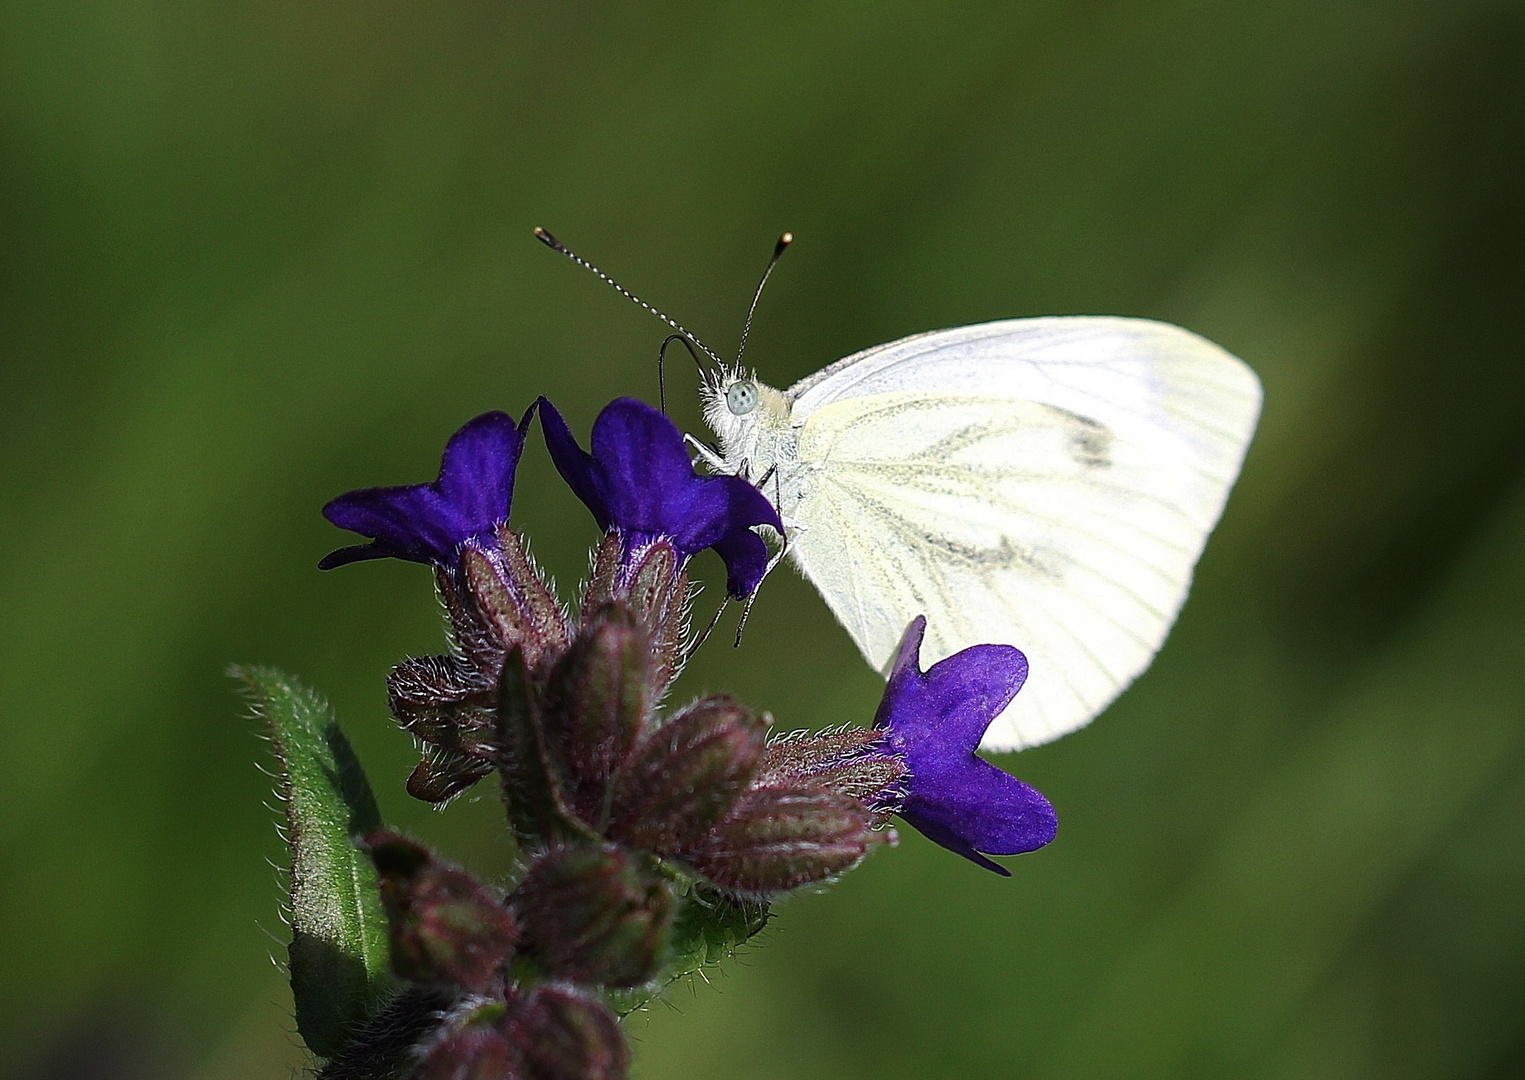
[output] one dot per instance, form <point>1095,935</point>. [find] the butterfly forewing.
<point>1047,483</point>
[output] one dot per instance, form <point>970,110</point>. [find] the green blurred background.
<point>257,254</point>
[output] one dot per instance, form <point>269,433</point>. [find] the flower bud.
<point>596,700</point>
<point>514,600</point>
<point>684,775</point>
<point>475,1046</point>
<point>592,915</point>
<point>450,707</point>
<point>442,700</point>
<point>444,774</point>
<point>777,839</point>
<point>534,785</point>
<point>561,1035</point>
<point>447,929</point>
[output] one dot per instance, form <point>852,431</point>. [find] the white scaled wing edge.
<point>1045,483</point>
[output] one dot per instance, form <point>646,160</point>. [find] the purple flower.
<point>428,523</point>
<point>933,721</point>
<point>639,481</point>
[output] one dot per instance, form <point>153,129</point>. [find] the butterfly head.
<point>742,411</point>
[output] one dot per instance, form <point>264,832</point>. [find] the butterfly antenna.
<point>778,253</point>
<point>556,245</point>
<point>662,355</point>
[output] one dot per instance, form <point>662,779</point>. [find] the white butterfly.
<point>1047,483</point>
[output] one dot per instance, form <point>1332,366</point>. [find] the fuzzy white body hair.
<point>762,446</point>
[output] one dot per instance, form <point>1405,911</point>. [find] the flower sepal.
<point>511,599</point>
<point>653,584</point>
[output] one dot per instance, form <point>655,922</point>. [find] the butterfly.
<point>1047,483</point>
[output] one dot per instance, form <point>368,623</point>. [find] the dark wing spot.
<point>1090,442</point>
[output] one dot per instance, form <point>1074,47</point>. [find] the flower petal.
<point>639,479</point>
<point>429,522</point>
<point>649,476</point>
<point>948,708</point>
<point>583,475</point>
<point>746,560</point>
<point>982,808</point>
<point>934,720</point>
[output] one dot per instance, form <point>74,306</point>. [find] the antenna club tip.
<point>545,237</point>
<point>786,239</point>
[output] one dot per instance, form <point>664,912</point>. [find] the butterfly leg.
<point>783,550</point>
<point>707,454</point>
<point>702,638</point>
<point>746,611</point>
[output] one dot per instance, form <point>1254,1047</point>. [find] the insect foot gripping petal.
<point>933,721</point>
<point>641,486</point>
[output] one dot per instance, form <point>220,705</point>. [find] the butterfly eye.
<point>741,398</point>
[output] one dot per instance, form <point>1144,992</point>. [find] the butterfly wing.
<point>1047,483</point>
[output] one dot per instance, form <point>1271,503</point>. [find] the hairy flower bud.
<point>854,762</point>
<point>533,784</point>
<point>450,707</point>
<point>447,929</point>
<point>777,839</point>
<point>514,600</point>
<point>445,701</point>
<point>562,1035</point>
<point>684,775</point>
<point>592,915</point>
<point>444,774</point>
<point>473,1047</point>
<point>596,702</point>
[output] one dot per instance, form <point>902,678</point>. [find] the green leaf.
<point>338,952</point>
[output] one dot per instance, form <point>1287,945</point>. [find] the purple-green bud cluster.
<point>567,713</point>
<point>625,811</point>
<point>651,839</point>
